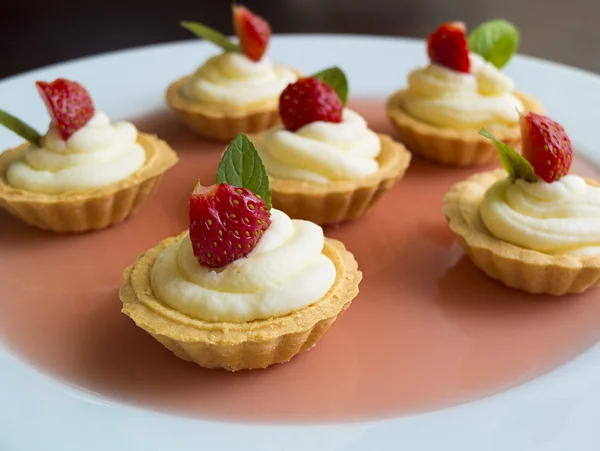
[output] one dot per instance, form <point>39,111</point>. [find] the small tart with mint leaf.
<point>244,286</point>
<point>237,90</point>
<point>531,225</point>
<point>461,90</point>
<point>324,163</point>
<point>86,172</point>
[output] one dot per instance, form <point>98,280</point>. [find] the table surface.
<point>35,33</point>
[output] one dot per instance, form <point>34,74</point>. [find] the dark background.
<point>35,33</point>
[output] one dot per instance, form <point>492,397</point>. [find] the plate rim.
<point>348,436</point>
<point>279,37</point>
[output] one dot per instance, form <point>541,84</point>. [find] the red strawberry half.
<point>546,146</point>
<point>447,46</point>
<point>226,223</point>
<point>253,31</point>
<point>69,105</point>
<point>309,100</point>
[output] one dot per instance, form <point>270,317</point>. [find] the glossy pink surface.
<point>428,330</point>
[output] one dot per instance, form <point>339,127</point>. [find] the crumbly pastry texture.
<point>453,147</point>
<point>516,267</point>
<point>237,346</point>
<point>91,209</point>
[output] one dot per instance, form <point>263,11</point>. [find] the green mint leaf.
<point>335,77</point>
<point>515,164</point>
<point>214,36</point>
<point>241,166</point>
<point>19,127</point>
<point>496,41</point>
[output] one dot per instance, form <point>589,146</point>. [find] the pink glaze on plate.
<point>427,331</point>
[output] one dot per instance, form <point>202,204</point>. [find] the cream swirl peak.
<point>285,272</point>
<point>96,155</point>
<point>562,217</point>
<point>233,79</point>
<point>321,152</point>
<point>459,100</point>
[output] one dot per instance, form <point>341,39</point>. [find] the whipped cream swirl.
<point>284,273</point>
<point>321,152</point>
<point>96,155</point>
<point>232,79</point>
<point>562,217</point>
<point>458,100</point>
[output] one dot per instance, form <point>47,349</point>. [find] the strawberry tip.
<point>458,24</point>
<point>202,190</point>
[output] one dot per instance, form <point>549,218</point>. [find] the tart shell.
<point>516,267</point>
<point>453,147</point>
<point>336,202</point>
<point>237,346</point>
<point>93,209</point>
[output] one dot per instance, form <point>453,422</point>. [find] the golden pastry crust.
<point>218,122</point>
<point>92,209</point>
<point>335,202</point>
<point>237,346</point>
<point>516,267</point>
<point>449,146</point>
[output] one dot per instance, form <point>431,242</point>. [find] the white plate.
<point>558,411</point>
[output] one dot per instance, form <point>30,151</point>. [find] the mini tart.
<point>92,209</point>
<point>237,346</point>
<point>453,147</point>
<point>335,202</point>
<point>218,122</point>
<point>516,267</point>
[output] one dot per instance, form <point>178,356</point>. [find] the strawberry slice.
<point>545,144</point>
<point>226,223</point>
<point>447,46</point>
<point>309,100</point>
<point>253,31</point>
<point>69,105</point>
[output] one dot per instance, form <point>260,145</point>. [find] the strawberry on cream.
<point>96,155</point>
<point>285,272</point>
<point>539,206</point>
<point>321,152</point>
<point>459,100</point>
<point>233,79</point>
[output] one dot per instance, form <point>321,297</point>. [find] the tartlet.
<point>93,209</point>
<point>214,302</point>
<point>461,91</point>
<point>221,117</point>
<point>334,188</point>
<point>237,346</point>
<point>537,254</point>
<point>515,266</point>
<point>79,209</point>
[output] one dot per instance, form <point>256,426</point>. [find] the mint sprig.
<point>336,78</point>
<point>515,164</point>
<point>20,128</point>
<point>496,41</point>
<point>212,35</point>
<point>242,166</point>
